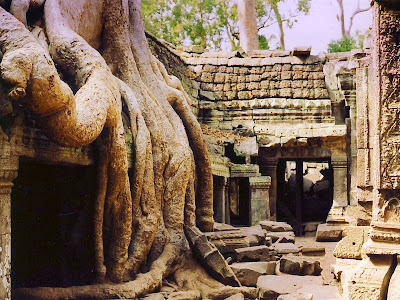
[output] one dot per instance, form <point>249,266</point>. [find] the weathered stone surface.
<point>275,226</point>
<point>313,250</point>
<point>224,227</point>
<point>300,265</point>
<point>258,233</point>
<point>210,257</point>
<point>258,253</point>
<point>282,237</point>
<point>248,272</point>
<point>285,248</point>
<point>353,239</point>
<point>329,233</point>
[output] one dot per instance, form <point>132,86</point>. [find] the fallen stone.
<point>289,266</point>
<point>257,253</point>
<point>155,296</point>
<point>224,227</point>
<point>238,296</point>
<point>275,226</point>
<point>210,257</point>
<point>285,248</point>
<point>248,272</point>
<point>255,232</point>
<point>296,296</point>
<point>329,233</point>
<point>300,265</point>
<point>313,251</point>
<point>350,246</point>
<point>228,246</point>
<point>283,237</point>
<point>268,241</point>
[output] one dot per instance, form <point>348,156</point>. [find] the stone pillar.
<point>340,200</point>
<point>220,185</point>
<point>259,199</point>
<point>8,172</point>
<point>269,168</point>
<point>227,204</point>
<point>376,276</point>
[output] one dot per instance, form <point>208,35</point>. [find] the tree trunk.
<point>278,17</point>
<point>248,31</point>
<point>101,47</point>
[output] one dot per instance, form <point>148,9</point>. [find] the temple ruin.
<point>310,142</point>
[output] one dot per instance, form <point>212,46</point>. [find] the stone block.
<point>353,239</point>
<point>287,75</point>
<point>285,248</point>
<point>275,226</point>
<point>257,253</point>
<point>297,75</point>
<point>210,68</point>
<point>329,233</point>
<point>245,95</point>
<point>207,77</point>
<point>219,78</point>
<point>253,86</point>
<point>241,86</point>
<point>282,237</point>
<point>285,84</point>
<point>248,272</point>
<point>319,83</point>
<point>313,250</point>
<point>185,295</point>
<point>299,265</point>
<point>241,78</point>
<point>265,84</point>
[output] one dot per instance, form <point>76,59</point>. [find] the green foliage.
<point>263,42</point>
<point>343,45</point>
<point>209,22</point>
<point>348,43</point>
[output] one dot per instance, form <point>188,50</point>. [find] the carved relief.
<point>390,212</point>
<point>389,31</point>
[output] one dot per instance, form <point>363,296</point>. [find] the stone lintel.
<point>260,182</point>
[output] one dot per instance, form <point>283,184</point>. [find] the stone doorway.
<point>304,191</point>
<point>51,225</point>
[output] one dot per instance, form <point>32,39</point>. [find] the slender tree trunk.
<point>278,17</point>
<point>247,25</point>
<point>341,19</point>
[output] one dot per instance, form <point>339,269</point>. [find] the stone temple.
<point>298,143</point>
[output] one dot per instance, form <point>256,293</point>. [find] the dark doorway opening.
<point>51,225</point>
<point>305,191</point>
<point>239,199</point>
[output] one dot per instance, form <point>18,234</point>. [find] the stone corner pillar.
<point>259,199</point>
<point>340,193</point>
<point>269,168</point>
<point>8,172</point>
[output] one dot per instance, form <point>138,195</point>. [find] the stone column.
<point>376,276</point>
<point>220,184</point>
<point>259,199</point>
<point>340,200</point>
<point>8,172</point>
<point>268,168</point>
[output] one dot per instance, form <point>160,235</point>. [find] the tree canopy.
<point>209,22</point>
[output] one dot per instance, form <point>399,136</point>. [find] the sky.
<point>320,26</point>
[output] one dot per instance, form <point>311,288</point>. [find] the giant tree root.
<point>188,274</point>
